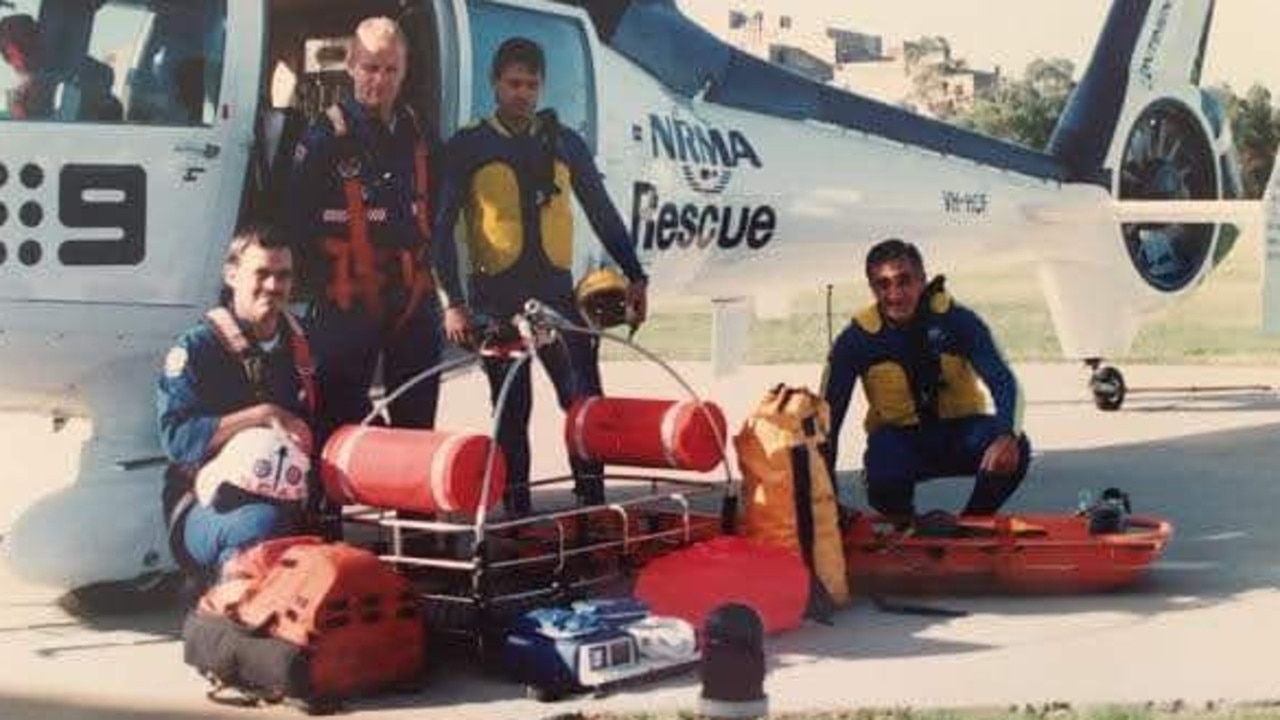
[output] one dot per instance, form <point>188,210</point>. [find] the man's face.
<point>261,283</point>
<point>516,91</point>
<point>898,285</point>
<point>377,73</point>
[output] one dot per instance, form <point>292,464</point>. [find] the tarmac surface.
<point>1202,626</point>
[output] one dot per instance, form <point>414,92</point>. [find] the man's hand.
<point>637,302</point>
<point>293,427</point>
<point>1002,456</point>
<point>458,327</point>
<point>261,415</point>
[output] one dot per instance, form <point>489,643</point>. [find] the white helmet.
<point>259,460</point>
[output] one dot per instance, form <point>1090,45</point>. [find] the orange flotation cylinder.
<point>678,434</point>
<point>423,471</point>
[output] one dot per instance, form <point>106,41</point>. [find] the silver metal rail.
<point>471,570</point>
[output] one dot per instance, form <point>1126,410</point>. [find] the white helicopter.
<point>741,183</point>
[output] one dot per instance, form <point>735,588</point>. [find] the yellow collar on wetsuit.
<point>534,126</point>
<point>871,321</point>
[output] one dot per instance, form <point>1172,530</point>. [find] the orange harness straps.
<point>357,267</point>
<point>417,276</point>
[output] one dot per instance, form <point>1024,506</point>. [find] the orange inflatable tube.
<point>423,471</point>
<point>677,434</point>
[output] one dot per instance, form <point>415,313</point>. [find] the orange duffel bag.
<point>298,618</point>
<point>788,493</point>
<point>678,434</point>
<point>424,471</point>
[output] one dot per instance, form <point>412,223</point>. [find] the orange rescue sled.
<point>1024,553</point>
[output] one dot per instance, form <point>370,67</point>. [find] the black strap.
<point>820,606</point>
<point>802,495</point>
<point>729,514</point>
<point>924,367</point>
<point>544,169</point>
<point>924,372</point>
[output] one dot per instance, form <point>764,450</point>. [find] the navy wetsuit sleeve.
<point>989,362</point>
<point>307,185</point>
<point>435,167</point>
<point>186,424</point>
<point>838,382</point>
<point>444,248</point>
<point>435,156</point>
<point>588,187</point>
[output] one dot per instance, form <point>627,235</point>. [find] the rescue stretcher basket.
<point>1025,553</point>
<point>476,572</point>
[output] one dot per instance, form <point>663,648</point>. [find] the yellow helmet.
<point>601,297</point>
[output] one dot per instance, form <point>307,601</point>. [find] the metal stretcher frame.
<point>475,574</point>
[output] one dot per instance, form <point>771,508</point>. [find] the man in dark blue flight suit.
<point>245,366</point>
<point>511,175</point>
<point>359,217</point>
<point>920,355</point>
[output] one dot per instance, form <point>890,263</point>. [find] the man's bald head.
<point>376,33</point>
<point>377,64</point>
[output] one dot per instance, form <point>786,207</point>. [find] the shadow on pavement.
<point>28,708</point>
<point>1191,401</point>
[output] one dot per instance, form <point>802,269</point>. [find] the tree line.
<point>1026,109</point>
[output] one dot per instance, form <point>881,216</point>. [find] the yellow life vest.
<point>888,388</point>
<point>495,239</point>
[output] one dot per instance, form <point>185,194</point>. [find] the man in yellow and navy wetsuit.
<point>359,217</point>
<point>920,355</point>
<point>511,177</point>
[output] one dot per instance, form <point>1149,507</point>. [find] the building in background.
<point>919,74</point>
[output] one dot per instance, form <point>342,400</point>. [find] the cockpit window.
<point>152,62</point>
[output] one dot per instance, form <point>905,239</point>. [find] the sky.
<point>1011,33</point>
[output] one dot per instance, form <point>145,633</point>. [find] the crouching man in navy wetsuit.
<point>235,403</point>
<point>920,355</point>
<point>511,177</point>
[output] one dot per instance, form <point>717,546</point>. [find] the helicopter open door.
<point>124,147</point>
<point>306,66</point>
